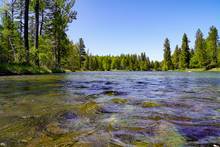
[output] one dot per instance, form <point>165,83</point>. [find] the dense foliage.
<point>206,52</point>
<point>33,33</point>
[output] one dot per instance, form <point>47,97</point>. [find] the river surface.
<point>110,109</point>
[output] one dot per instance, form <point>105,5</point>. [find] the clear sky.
<point>134,26</point>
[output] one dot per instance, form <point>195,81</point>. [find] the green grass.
<point>198,70</point>
<point>20,69</point>
<point>195,70</point>
<point>215,69</point>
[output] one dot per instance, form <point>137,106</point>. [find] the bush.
<point>210,66</point>
<point>57,70</point>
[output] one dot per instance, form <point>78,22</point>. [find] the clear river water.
<point>111,109</point>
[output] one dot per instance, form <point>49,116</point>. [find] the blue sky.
<point>134,26</point>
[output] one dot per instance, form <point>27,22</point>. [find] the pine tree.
<point>218,53</point>
<point>143,62</point>
<point>212,43</point>
<point>82,52</point>
<point>59,16</point>
<point>185,54</point>
<point>200,50</point>
<point>176,57</point>
<point>157,66</point>
<point>167,62</point>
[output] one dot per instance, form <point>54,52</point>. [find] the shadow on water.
<point>110,109</point>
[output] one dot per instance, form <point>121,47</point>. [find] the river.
<point>111,109</point>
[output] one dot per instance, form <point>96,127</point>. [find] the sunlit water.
<point>110,109</point>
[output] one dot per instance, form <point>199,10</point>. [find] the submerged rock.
<point>55,129</point>
<point>119,100</point>
<point>69,115</point>
<point>109,83</point>
<point>150,104</point>
<point>141,144</point>
<point>113,93</point>
<point>200,132</point>
<point>117,143</point>
<point>125,137</point>
<point>106,88</point>
<point>81,87</point>
<point>167,135</point>
<point>95,139</point>
<point>105,110</point>
<point>24,141</point>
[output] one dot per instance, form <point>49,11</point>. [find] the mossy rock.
<point>150,104</point>
<point>89,108</point>
<point>113,93</point>
<point>156,118</point>
<point>119,101</point>
<point>140,144</point>
<point>168,135</point>
<point>54,129</point>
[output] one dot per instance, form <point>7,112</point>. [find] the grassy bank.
<point>215,69</point>
<point>199,70</point>
<point>21,69</point>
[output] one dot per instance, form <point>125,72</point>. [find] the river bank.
<point>22,69</point>
<point>199,70</point>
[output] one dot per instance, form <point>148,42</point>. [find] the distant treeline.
<point>132,62</point>
<point>205,54</point>
<point>34,33</point>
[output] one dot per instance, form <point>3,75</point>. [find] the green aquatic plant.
<point>119,100</point>
<point>150,104</point>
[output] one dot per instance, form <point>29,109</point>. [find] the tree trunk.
<point>42,22</point>
<point>21,17</point>
<point>26,41</point>
<point>37,5</point>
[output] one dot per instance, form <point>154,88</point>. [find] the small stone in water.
<point>69,115</point>
<point>113,93</point>
<point>24,141</point>
<point>2,144</point>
